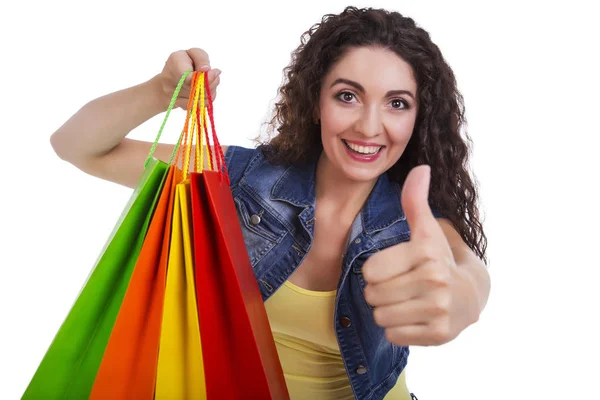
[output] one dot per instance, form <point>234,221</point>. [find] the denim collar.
<point>382,209</point>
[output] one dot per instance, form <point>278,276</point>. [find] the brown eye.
<point>399,104</point>
<point>346,97</point>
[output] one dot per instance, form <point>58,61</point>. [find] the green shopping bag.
<point>69,367</point>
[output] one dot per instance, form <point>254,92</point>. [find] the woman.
<point>358,249</point>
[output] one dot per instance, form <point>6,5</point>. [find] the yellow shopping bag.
<point>180,371</point>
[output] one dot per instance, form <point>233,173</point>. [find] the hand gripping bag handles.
<point>172,309</point>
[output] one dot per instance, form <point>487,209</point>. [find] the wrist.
<point>469,295</point>
<point>154,89</point>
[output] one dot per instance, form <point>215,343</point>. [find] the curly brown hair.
<point>436,140</point>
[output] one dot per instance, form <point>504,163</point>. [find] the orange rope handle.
<point>184,133</point>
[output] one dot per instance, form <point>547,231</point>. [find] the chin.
<point>357,174</point>
<point>360,171</point>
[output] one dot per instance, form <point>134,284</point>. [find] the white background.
<point>529,74</point>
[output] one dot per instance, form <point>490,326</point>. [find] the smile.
<point>364,150</point>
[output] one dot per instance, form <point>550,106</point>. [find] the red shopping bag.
<point>237,343</point>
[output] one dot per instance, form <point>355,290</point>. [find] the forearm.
<point>100,125</point>
<point>476,277</point>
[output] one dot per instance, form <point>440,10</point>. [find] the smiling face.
<point>367,109</point>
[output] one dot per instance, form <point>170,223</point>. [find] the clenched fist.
<point>180,61</point>
<point>419,294</point>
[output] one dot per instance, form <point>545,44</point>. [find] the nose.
<point>369,123</point>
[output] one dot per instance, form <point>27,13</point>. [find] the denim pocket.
<point>260,229</point>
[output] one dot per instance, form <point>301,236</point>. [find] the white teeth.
<point>363,149</point>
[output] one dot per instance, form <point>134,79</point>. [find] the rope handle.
<point>221,167</point>
<point>162,126</point>
<point>199,113</point>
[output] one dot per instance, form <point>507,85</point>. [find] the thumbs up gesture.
<point>419,294</point>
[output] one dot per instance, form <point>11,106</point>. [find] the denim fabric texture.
<point>276,210</point>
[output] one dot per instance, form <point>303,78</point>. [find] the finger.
<point>420,334</point>
<point>411,335</point>
<point>184,94</point>
<point>200,59</point>
<point>411,312</point>
<point>427,280</point>
<point>181,62</point>
<point>414,199</point>
<point>213,75</point>
<point>389,263</point>
<point>181,103</point>
<point>396,290</point>
<point>213,88</point>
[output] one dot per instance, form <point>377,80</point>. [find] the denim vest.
<point>276,209</point>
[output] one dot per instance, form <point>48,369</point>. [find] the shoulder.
<point>250,164</point>
<point>237,160</point>
<point>238,155</point>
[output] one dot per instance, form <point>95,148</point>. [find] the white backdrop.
<point>529,75</point>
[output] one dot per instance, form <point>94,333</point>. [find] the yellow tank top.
<point>302,325</point>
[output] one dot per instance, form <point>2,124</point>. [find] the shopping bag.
<point>180,370</point>
<point>237,342</point>
<point>180,373</point>
<point>174,293</point>
<point>70,365</point>
<point>128,366</point>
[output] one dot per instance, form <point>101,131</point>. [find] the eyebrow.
<point>360,88</point>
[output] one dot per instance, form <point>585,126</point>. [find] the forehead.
<point>375,69</point>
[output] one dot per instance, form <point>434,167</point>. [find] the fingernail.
<point>204,68</point>
<point>218,73</point>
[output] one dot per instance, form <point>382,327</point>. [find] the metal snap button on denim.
<point>255,219</point>
<point>361,370</point>
<point>345,321</point>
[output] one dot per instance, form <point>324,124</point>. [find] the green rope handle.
<point>171,106</point>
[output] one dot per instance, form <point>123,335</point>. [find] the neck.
<point>338,195</point>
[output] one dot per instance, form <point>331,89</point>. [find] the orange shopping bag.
<point>128,367</point>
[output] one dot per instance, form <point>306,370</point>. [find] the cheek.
<point>333,119</point>
<point>400,131</point>
<point>399,135</point>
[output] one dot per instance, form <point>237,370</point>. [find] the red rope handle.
<point>210,150</point>
<point>222,166</point>
<point>210,158</point>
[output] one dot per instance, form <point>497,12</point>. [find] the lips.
<point>363,152</point>
<point>362,148</point>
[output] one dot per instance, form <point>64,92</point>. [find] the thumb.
<point>415,202</point>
